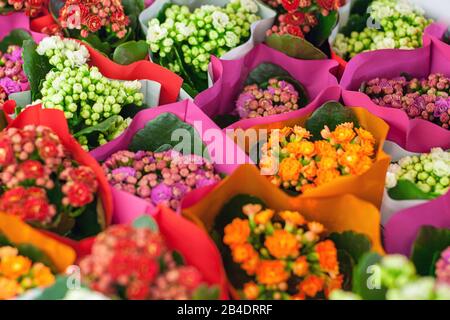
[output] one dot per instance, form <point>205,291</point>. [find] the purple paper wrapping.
<point>402,228</point>
<point>415,135</point>
<point>17,20</point>
<point>224,153</point>
<point>229,77</point>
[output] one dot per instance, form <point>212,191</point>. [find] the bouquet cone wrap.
<point>55,120</point>
<point>18,232</point>
<point>370,185</point>
<point>183,236</point>
<point>229,76</point>
<point>416,135</point>
<point>223,152</point>
<point>18,20</point>
<point>258,28</point>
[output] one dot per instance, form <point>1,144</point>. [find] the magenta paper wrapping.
<point>436,30</point>
<point>415,135</point>
<point>402,228</point>
<point>17,20</point>
<point>226,156</point>
<point>229,76</point>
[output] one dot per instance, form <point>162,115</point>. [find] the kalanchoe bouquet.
<point>306,164</point>
<point>89,100</point>
<point>424,98</point>
<point>426,176</point>
<point>279,97</point>
<point>19,273</point>
<point>40,181</point>
<point>395,24</point>
<point>134,262</point>
<point>12,76</point>
<point>286,256</point>
<point>159,177</point>
<point>401,282</point>
<point>31,7</point>
<point>183,41</point>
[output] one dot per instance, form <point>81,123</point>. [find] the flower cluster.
<point>208,30</point>
<point>425,98</point>
<point>430,172</point>
<point>31,7</point>
<point>18,273</point>
<point>12,76</point>
<point>159,177</point>
<point>135,264</point>
<point>443,267</point>
<point>34,165</point>
<point>396,24</point>
<point>82,92</point>
<point>298,17</point>
<point>399,277</point>
<point>93,15</point>
<point>279,97</point>
<point>304,164</point>
<point>286,255</point>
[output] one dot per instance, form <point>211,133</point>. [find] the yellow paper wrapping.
<point>343,212</point>
<point>19,232</point>
<point>370,185</point>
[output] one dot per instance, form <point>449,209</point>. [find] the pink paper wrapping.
<point>436,30</point>
<point>229,77</point>
<point>17,20</point>
<point>402,228</point>
<point>415,135</point>
<point>226,156</point>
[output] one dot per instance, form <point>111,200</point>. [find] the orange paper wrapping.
<point>19,232</point>
<point>370,185</point>
<point>339,213</point>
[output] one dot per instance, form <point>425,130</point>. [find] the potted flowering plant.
<point>48,180</point>
<point>182,37</point>
<point>28,259</point>
<point>97,108</point>
<point>108,26</point>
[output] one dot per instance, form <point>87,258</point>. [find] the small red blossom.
<point>32,169</point>
<point>79,195</point>
<point>290,5</point>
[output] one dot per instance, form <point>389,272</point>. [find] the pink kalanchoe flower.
<point>443,267</point>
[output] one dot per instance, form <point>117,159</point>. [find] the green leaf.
<point>15,37</point>
<point>355,244</point>
<point>204,292</point>
<point>178,258</point>
<point>36,255</point>
<point>189,90</point>
<point>146,222</point>
<point>95,42</point>
<point>359,7</point>
<point>157,135</point>
<point>35,66</point>
<point>408,190</point>
<point>366,278</point>
<point>133,7</point>
<point>346,265</point>
<point>295,47</point>
<point>57,291</point>
<point>266,71</point>
<point>4,241</point>
<point>330,114</point>
<point>320,34</point>
<point>429,243</point>
<point>99,128</point>
<point>88,224</point>
<point>130,52</point>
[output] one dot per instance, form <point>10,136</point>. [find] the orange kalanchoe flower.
<point>282,244</point>
<point>311,285</point>
<point>251,290</point>
<point>327,253</point>
<point>264,216</point>
<point>289,169</point>
<point>13,267</point>
<point>251,265</point>
<point>237,232</point>
<point>292,217</point>
<point>271,272</point>
<point>9,288</point>
<point>343,133</point>
<point>300,266</point>
<point>242,252</point>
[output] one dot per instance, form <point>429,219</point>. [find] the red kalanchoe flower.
<point>295,18</point>
<point>32,169</point>
<point>290,5</point>
<point>329,5</point>
<point>190,277</point>
<point>78,194</point>
<point>6,152</point>
<point>295,31</point>
<point>138,290</point>
<point>94,23</point>
<point>36,209</point>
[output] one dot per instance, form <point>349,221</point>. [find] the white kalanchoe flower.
<point>231,39</point>
<point>391,180</point>
<point>156,33</point>
<point>46,44</point>
<point>249,5</point>
<point>403,162</point>
<point>440,168</point>
<point>132,85</point>
<point>219,19</point>
<point>421,289</point>
<point>183,29</point>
